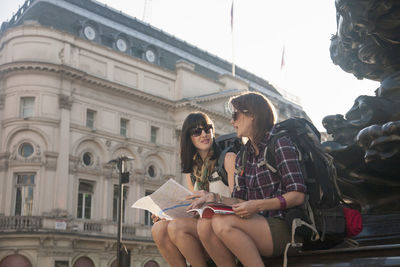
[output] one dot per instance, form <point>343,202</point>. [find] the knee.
<point>222,225</point>
<point>174,229</point>
<point>159,231</point>
<point>204,228</point>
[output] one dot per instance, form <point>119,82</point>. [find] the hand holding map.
<point>167,202</point>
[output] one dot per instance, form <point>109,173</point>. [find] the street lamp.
<point>121,163</point>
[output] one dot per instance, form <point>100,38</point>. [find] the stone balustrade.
<point>43,224</point>
<point>29,223</point>
<point>92,227</point>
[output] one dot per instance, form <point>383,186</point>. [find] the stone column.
<point>62,173</point>
<point>3,155</point>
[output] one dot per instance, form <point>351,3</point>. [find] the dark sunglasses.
<point>235,114</point>
<point>198,130</point>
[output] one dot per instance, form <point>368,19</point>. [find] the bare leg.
<point>166,247</point>
<point>248,239</point>
<point>183,233</point>
<point>220,254</point>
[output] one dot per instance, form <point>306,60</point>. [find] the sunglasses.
<point>235,114</point>
<point>198,130</point>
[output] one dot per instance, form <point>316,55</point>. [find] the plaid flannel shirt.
<point>261,183</point>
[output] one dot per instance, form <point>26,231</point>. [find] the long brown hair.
<point>258,106</point>
<point>187,148</point>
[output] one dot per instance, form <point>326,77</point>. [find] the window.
<point>90,32</point>
<point>27,105</point>
<point>115,203</point>
<point>90,117</point>
<point>154,131</point>
<point>150,55</point>
<point>123,126</point>
<point>151,171</point>
<point>87,159</point>
<point>122,44</point>
<point>147,215</point>
<point>25,150</point>
<point>25,183</point>
<point>85,200</point>
<point>151,263</point>
<point>61,264</point>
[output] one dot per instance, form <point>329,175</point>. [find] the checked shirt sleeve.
<point>287,162</point>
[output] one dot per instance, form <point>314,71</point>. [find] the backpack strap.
<point>219,167</point>
<point>295,224</point>
<point>241,169</point>
<point>265,161</point>
<point>269,153</point>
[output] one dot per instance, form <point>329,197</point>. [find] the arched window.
<point>151,264</point>
<point>84,262</point>
<point>15,261</point>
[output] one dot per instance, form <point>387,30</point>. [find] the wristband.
<point>214,197</point>
<point>282,200</point>
<point>219,198</point>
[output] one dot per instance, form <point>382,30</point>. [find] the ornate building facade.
<point>80,85</point>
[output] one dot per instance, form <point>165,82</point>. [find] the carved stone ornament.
<point>65,101</point>
<point>35,157</point>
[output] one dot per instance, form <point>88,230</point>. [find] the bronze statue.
<point>366,141</point>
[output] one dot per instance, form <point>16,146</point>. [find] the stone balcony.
<point>20,223</point>
<point>44,224</point>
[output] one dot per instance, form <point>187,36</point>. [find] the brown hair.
<point>187,148</point>
<point>258,106</point>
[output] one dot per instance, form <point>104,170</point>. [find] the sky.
<point>261,28</point>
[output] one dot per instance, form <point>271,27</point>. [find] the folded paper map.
<point>167,202</point>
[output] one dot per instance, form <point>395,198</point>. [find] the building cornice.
<point>213,96</point>
<point>82,76</point>
<point>72,73</point>
<point>29,120</point>
<point>79,236</point>
<point>193,106</point>
<point>117,138</point>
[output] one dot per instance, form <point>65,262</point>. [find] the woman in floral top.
<point>259,196</point>
<point>177,240</point>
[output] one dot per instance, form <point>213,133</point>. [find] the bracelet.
<point>219,198</point>
<point>282,200</point>
<point>214,197</point>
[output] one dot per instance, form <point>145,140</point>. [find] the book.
<point>209,209</point>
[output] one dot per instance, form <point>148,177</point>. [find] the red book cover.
<point>209,209</point>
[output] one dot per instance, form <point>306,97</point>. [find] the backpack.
<point>323,208</point>
<point>226,143</point>
<point>321,219</point>
<point>324,220</point>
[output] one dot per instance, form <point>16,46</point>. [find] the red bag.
<point>354,224</point>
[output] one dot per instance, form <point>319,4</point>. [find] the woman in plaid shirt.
<point>259,196</point>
